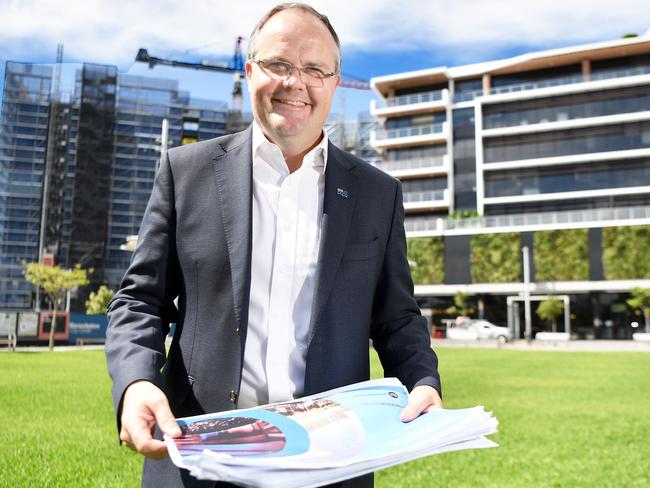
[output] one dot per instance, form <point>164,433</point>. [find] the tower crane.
<point>236,67</point>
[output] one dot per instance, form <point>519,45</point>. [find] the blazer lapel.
<point>234,171</point>
<point>339,199</point>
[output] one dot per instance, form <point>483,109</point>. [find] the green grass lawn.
<point>567,419</point>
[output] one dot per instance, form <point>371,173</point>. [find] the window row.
<point>537,111</point>
<point>593,176</point>
<point>568,142</point>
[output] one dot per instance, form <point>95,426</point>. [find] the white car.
<point>480,329</point>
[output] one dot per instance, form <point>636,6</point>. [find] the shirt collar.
<point>271,153</point>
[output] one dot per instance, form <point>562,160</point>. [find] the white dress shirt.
<point>287,212</point>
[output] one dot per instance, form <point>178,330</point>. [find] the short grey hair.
<point>305,8</point>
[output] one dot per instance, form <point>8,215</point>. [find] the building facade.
<point>23,145</point>
<point>548,151</point>
<point>76,170</point>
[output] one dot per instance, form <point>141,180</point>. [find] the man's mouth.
<point>293,103</point>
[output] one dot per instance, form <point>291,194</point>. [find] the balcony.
<point>578,122</point>
<point>598,217</point>
<point>415,167</point>
<point>570,80</point>
<point>411,104</point>
<point>555,82</point>
<point>426,200</point>
<point>467,96</point>
<point>406,136</point>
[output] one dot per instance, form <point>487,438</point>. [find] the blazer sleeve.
<point>141,311</point>
<point>399,332</point>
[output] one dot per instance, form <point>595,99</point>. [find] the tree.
<point>561,255</point>
<point>550,309</point>
<point>641,299</point>
<point>464,214</point>
<point>426,259</point>
<point>495,258</point>
<point>55,282</point>
<point>460,305</point>
<point>98,301</point>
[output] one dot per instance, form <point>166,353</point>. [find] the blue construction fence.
<point>71,328</point>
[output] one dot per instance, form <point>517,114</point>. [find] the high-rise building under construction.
<point>76,170</point>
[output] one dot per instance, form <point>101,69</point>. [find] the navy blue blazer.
<point>195,244</point>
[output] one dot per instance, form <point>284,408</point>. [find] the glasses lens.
<point>278,68</point>
<point>282,70</point>
<point>310,80</point>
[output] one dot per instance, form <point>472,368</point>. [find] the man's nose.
<point>294,79</point>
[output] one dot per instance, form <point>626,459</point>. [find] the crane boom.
<point>143,56</point>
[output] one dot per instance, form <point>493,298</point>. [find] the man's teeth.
<point>295,103</point>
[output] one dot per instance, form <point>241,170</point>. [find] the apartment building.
<point>551,151</point>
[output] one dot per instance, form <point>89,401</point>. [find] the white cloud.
<point>112,31</point>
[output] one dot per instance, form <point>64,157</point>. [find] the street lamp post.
<point>527,315</point>
<point>164,140</point>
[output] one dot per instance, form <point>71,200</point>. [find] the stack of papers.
<point>323,438</point>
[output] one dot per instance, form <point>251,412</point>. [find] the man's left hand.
<point>422,399</point>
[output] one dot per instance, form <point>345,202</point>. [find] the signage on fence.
<point>8,323</point>
<point>27,324</point>
<point>62,325</point>
<point>87,327</point>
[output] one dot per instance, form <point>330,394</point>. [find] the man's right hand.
<point>144,405</point>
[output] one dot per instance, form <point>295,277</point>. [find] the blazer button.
<point>233,396</point>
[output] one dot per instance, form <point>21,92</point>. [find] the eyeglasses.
<point>281,70</point>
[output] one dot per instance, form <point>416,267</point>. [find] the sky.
<point>378,37</point>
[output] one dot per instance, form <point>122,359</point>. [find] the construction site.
<point>79,162</point>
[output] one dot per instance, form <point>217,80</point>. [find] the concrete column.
<point>487,83</point>
<point>567,315</point>
<point>457,260</point>
<point>586,69</point>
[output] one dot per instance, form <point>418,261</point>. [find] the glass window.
<point>568,142</point>
<point>556,179</point>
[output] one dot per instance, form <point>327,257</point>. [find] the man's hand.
<point>144,405</point>
<point>422,399</point>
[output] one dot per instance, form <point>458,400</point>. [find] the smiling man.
<point>292,71</point>
<point>286,254</point>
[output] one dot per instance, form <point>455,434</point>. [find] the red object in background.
<point>62,331</point>
<point>48,259</point>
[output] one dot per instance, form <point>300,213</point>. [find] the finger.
<point>125,438</point>
<point>431,407</point>
<point>165,418</point>
<point>417,403</point>
<point>154,449</point>
<point>139,432</point>
<point>130,446</point>
<point>137,437</point>
<point>410,412</point>
<point>422,399</point>
<point>434,402</point>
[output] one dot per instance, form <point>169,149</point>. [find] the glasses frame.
<point>301,71</point>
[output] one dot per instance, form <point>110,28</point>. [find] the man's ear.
<point>249,69</point>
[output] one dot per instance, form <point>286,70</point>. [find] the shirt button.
<point>233,396</point>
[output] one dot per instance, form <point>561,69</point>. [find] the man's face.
<point>290,113</point>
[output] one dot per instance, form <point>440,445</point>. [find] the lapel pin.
<point>342,193</point>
